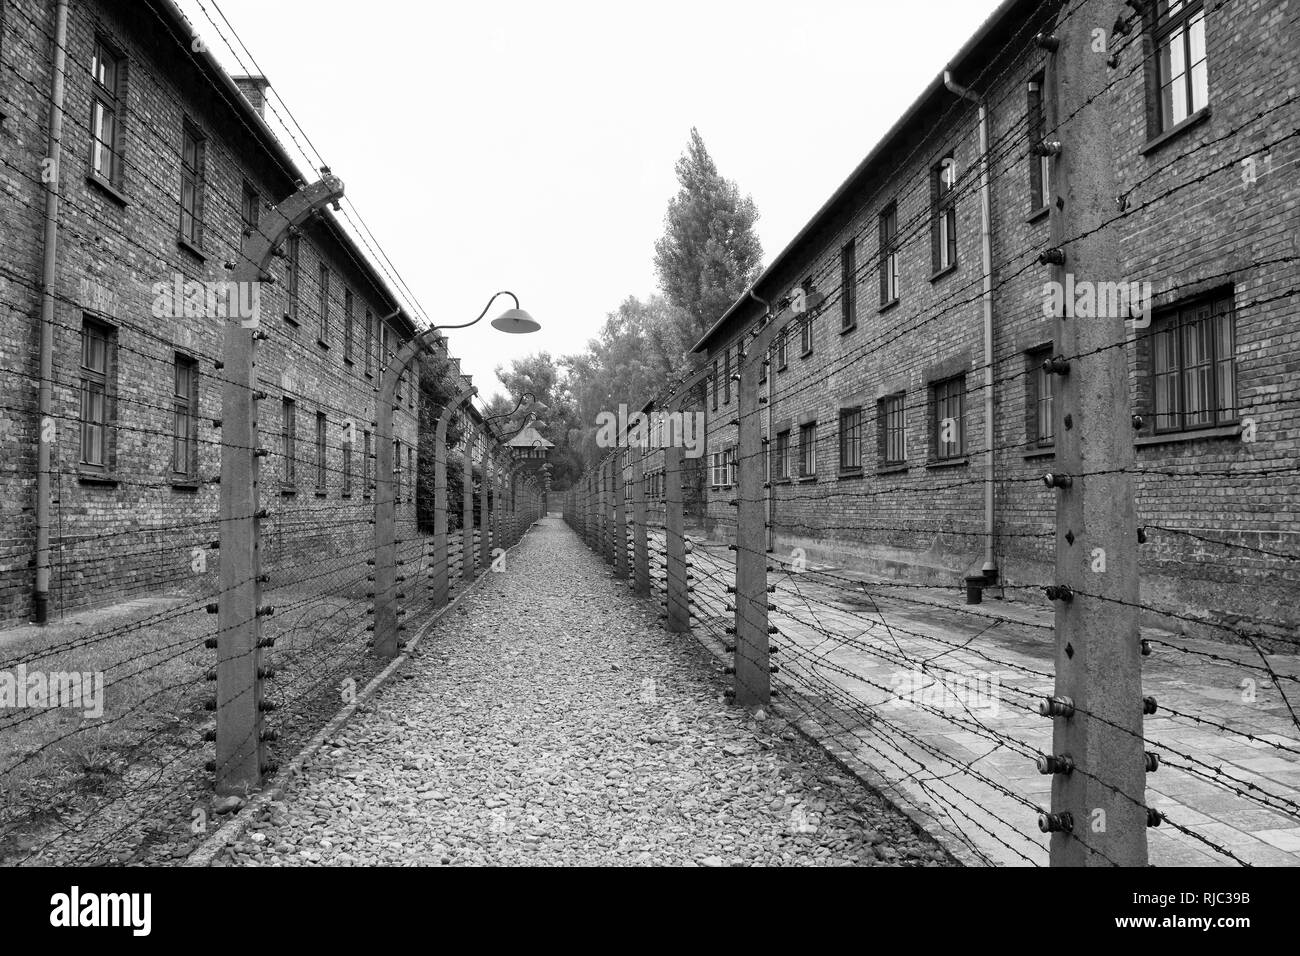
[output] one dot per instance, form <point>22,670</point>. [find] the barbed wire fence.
<point>1011,752</point>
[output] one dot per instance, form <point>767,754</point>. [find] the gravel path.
<point>551,721</point>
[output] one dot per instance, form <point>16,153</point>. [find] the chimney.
<point>254,90</point>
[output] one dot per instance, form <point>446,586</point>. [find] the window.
<point>294,269</point>
<point>1040,167</point>
<point>849,286</point>
<point>367,488</point>
<point>1194,377</point>
<point>782,347</point>
<point>726,376</point>
<point>949,425</point>
<point>731,464</point>
<point>98,345</point>
<point>943,214</point>
<point>782,455</point>
<point>108,74</point>
<point>889,255</point>
<point>383,346</point>
<point>850,439</point>
<point>805,336</point>
<point>193,148</point>
<point>891,425</point>
<point>288,444</point>
<point>322,432</point>
<point>250,210</point>
<point>715,470</point>
<point>1038,399</point>
<point>185,419</point>
<point>347,325</point>
<point>347,463</point>
<point>370,341</point>
<point>324,334</point>
<point>715,385</point>
<point>808,450</point>
<point>397,471</point>
<point>1182,77</point>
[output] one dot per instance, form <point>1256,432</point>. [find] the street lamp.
<point>514,321</point>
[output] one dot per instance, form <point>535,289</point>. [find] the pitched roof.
<point>529,438</point>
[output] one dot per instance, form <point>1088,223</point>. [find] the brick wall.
<point>134,528</point>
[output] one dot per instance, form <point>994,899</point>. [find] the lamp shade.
<point>516,322</point>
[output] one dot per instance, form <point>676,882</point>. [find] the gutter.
<point>990,568</point>
<point>49,266</point>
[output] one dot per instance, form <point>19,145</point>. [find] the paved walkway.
<point>941,700</point>
<point>548,719</point>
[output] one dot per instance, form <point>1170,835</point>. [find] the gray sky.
<point>530,146</point>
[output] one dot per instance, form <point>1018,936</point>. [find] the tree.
<point>709,253</point>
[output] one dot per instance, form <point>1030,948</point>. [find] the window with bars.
<point>1038,398</point>
<point>185,419</point>
<point>782,348</point>
<point>726,376</point>
<point>715,384</point>
<point>943,214</point>
<point>1181,78</point>
<point>323,334</point>
<point>948,427</point>
<point>808,450</point>
<point>805,336</point>
<point>322,435</point>
<point>891,426</point>
<point>782,454</point>
<point>889,290</point>
<point>370,342</point>
<point>348,306</point>
<point>367,453</point>
<point>250,209</point>
<point>1040,167</point>
<point>193,149</point>
<point>849,286</point>
<point>397,471</point>
<point>108,82</point>
<point>1193,365</point>
<point>347,465</point>
<point>294,270</point>
<point>289,444</point>
<point>851,439</point>
<point>98,362</point>
<point>732,463</point>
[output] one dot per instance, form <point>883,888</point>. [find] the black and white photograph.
<point>683,436</point>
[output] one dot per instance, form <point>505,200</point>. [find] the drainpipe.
<point>767,418</point>
<point>44,456</point>
<point>986,223</point>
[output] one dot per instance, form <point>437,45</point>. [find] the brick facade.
<point>1195,228</point>
<point>132,525</point>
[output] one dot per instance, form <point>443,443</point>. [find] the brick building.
<point>876,402</point>
<point>166,163</point>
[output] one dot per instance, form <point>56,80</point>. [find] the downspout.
<point>986,223</point>
<point>44,454</point>
<point>767,420</point>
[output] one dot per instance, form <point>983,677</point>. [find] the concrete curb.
<point>234,828</point>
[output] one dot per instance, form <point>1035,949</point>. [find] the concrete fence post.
<point>620,516</point>
<point>675,571</point>
<point>440,574</point>
<point>239,764</point>
<point>640,532</point>
<point>467,509</point>
<point>1098,815</point>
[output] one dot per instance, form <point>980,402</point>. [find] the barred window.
<point>367,453</point>
<point>849,286</point>
<point>288,444</point>
<point>1039,399</point>
<point>370,342</point>
<point>1040,167</point>
<point>98,361</point>
<point>892,425</point>
<point>850,439</point>
<point>348,306</point>
<point>294,270</point>
<point>324,333</point>
<point>949,425</point>
<point>322,432</point>
<point>889,255</point>
<point>783,454</point>
<point>808,450</point>
<point>1194,374</point>
<point>185,418</point>
<point>943,213</point>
